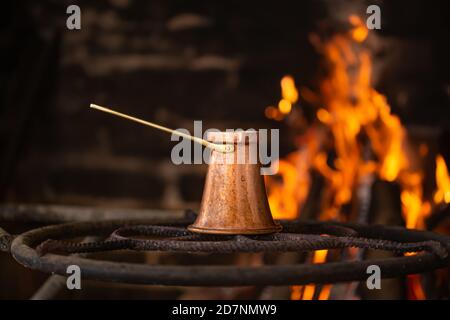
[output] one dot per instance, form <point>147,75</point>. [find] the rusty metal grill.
<point>50,249</point>
<point>179,239</point>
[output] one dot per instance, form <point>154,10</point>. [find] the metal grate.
<point>48,249</point>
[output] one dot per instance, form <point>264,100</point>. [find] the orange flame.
<point>289,96</point>
<point>288,189</point>
<point>288,90</point>
<point>442,181</point>
<point>284,106</point>
<point>414,208</point>
<point>415,287</point>
<point>307,292</point>
<point>359,32</point>
<point>349,107</point>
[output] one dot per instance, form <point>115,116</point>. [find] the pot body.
<point>234,198</point>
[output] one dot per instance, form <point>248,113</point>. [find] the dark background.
<point>173,62</point>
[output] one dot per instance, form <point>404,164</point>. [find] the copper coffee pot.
<point>234,198</point>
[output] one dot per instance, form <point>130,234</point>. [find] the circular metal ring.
<point>24,252</point>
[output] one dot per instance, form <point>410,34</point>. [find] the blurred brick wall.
<point>170,62</point>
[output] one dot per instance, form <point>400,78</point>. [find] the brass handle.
<point>224,148</point>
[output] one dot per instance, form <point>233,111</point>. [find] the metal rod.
<point>52,214</point>
<point>50,288</point>
<point>224,148</point>
<point>55,283</point>
<point>5,240</point>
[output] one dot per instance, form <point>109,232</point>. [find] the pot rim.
<point>236,137</point>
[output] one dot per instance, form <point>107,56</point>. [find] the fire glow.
<point>289,96</point>
<point>442,181</point>
<point>348,107</point>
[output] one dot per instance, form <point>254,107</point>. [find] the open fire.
<point>353,140</point>
<point>356,208</point>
